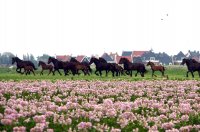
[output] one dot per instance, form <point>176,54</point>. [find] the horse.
<point>129,67</point>
<point>101,66</point>
<point>45,67</point>
<point>21,64</point>
<point>118,69</point>
<point>156,68</point>
<point>66,66</point>
<point>28,69</point>
<point>85,67</point>
<point>192,66</point>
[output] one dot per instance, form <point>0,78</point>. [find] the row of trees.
<point>6,58</point>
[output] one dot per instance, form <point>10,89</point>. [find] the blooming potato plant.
<point>114,106</point>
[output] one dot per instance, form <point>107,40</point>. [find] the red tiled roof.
<point>63,57</point>
<point>138,53</point>
<point>80,58</point>
<point>119,57</point>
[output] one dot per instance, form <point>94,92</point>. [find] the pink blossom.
<point>111,113</point>
<point>50,130</point>
<point>19,129</point>
<point>167,125</point>
<point>6,121</point>
<point>184,118</point>
<point>84,125</point>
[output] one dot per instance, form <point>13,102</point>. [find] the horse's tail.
<point>164,68</point>
<point>34,67</point>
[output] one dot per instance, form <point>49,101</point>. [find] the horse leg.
<point>192,74</point>
<point>59,71</point>
<point>96,72</point>
<point>100,72</point>
<point>49,72</point>
<point>18,70</point>
<point>152,73</point>
<point>136,73</point>
<point>113,73</point>
<point>33,72</point>
<point>187,73</point>
<point>41,73</point>
<point>127,72</point>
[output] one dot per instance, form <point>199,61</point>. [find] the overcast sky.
<point>97,26</point>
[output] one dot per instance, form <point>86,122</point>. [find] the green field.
<point>173,72</point>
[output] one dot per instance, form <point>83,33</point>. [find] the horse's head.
<point>150,63</point>
<point>73,59</point>
<point>39,63</point>
<point>184,61</point>
<point>93,59</point>
<point>51,59</point>
<point>123,60</point>
<point>13,60</point>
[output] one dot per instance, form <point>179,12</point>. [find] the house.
<point>63,57</point>
<point>193,55</point>
<point>82,58</point>
<point>150,56</point>
<point>113,56</point>
<point>127,53</point>
<point>136,56</point>
<point>164,58</point>
<point>108,58</point>
<point>138,53</point>
<point>177,59</point>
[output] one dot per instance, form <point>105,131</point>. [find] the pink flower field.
<point>113,106</point>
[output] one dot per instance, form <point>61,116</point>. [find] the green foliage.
<point>111,122</point>
<point>134,97</point>
<point>174,73</point>
<point>193,120</point>
<point>134,125</point>
<point>7,96</point>
<point>2,109</point>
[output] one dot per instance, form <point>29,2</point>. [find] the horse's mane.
<point>73,59</point>
<point>42,62</point>
<point>102,60</point>
<point>194,61</point>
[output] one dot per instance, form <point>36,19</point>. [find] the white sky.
<point>98,26</point>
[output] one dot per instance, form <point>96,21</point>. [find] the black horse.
<point>129,67</point>
<point>21,64</point>
<point>66,66</point>
<point>114,67</point>
<point>192,66</point>
<point>101,66</point>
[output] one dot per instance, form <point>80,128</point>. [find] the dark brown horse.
<point>45,67</point>
<point>66,66</point>
<point>28,69</point>
<point>156,68</point>
<point>192,66</point>
<point>100,66</point>
<point>115,67</point>
<point>84,67</point>
<point>129,67</point>
<point>21,64</point>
